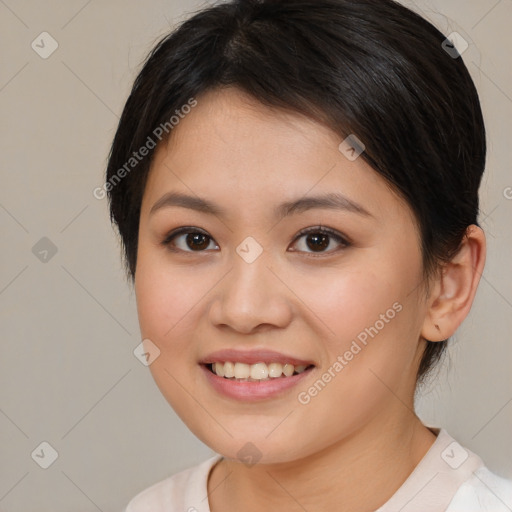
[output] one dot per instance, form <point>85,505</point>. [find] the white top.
<point>449,478</point>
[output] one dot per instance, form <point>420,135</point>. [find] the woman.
<point>295,184</point>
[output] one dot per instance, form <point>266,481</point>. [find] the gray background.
<point>68,375</point>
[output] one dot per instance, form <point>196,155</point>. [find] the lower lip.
<point>252,391</point>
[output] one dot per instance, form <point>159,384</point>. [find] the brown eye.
<point>197,241</point>
<point>187,240</point>
<point>318,239</point>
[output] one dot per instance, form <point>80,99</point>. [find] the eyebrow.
<point>331,201</point>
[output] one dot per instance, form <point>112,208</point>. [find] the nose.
<point>251,298</point>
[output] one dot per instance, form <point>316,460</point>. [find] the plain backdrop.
<point>68,374</point>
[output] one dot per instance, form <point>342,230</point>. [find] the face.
<point>239,274</point>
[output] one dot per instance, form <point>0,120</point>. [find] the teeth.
<point>255,372</point>
<point>218,368</point>
<point>229,369</point>
<point>288,370</point>
<point>259,371</point>
<point>275,370</point>
<point>242,370</point>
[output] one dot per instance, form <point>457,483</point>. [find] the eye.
<point>186,238</point>
<point>319,238</point>
<point>190,239</point>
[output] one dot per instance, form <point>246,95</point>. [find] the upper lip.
<point>252,357</point>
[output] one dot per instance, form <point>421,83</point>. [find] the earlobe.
<point>455,288</point>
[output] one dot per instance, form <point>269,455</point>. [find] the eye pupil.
<point>320,241</point>
<point>192,238</point>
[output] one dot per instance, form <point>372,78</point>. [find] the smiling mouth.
<point>258,372</point>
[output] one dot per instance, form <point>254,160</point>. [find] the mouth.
<point>251,375</point>
<point>254,376</point>
<point>258,372</point>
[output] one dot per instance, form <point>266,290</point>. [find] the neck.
<point>361,472</point>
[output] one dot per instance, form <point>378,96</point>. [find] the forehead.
<point>232,148</point>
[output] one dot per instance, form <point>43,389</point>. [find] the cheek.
<point>348,302</point>
<point>370,326</point>
<point>168,309</point>
<point>369,367</point>
<point>166,297</point>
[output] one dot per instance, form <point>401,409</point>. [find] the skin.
<point>357,440</point>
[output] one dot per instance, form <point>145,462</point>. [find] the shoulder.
<point>484,491</point>
<point>184,491</point>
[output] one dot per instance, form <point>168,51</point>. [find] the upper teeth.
<point>258,371</point>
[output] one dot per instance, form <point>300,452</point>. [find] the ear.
<point>454,290</point>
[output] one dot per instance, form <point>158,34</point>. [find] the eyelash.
<point>316,230</point>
